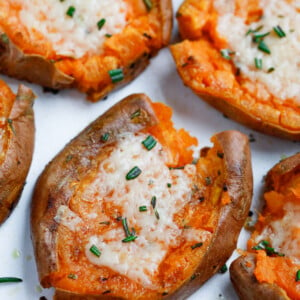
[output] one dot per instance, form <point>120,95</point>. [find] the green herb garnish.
<point>95,251</point>
<point>72,276</point>
<point>136,114</point>
<point>149,142</point>
<point>226,53</point>
<point>104,137</point>
<point>10,279</point>
<point>223,269</point>
<point>298,275</point>
<point>169,185</point>
<point>262,46</point>
<point>129,239</point>
<point>153,201</point>
<point>108,35</point>
<point>278,30</point>
<point>156,214</point>
<point>101,23</point>
<point>133,173</point>
<point>71,10</point>
<point>4,38</point>
<point>116,75</point>
<point>258,37</point>
<point>10,124</point>
<point>143,208</point>
<point>126,228</point>
<point>270,70</point>
<point>258,63</point>
<point>148,4</point>
<point>197,245</point>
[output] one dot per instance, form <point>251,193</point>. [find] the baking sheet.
<point>60,117</point>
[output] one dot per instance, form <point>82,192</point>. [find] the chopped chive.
<point>69,157</point>
<point>72,276</point>
<point>149,142</point>
<point>156,214</point>
<point>257,37</point>
<point>4,38</point>
<point>10,279</point>
<point>148,4</point>
<point>153,201</point>
<point>278,30</point>
<point>108,35</point>
<point>143,208</point>
<point>104,137</point>
<point>258,63</point>
<point>71,10</point>
<point>125,226</point>
<point>263,47</point>
<point>104,223</point>
<point>176,168</point>
<point>95,251</point>
<point>133,173</point>
<point>10,124</point>
<point>208,181</point>
<point>223,269</point>
<point>169,185</point>
<point>129,239</point>
<point>270,70</point>
<point>116,75</point>
<point>226,53</point>
<point>254,30</point>
<point>136,114</point>
<point>298,275</point>
<point>197,245</point>
<point>101,23</point>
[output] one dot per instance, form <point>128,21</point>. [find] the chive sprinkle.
<point>176,168</point>
<point>116,75</point>
<point>226,53</point>
<point>258,63</point>
<point>262,46</point>
<point>125,226</point>
<point>149,142</point>
<point>133,173</point>
<point>72,276</point>
<point>10,279</point>
<point>104,223</point>
<point>95,251</point>
<point>136,114</point>
<point>129,239</point>
<point>169,185</point>
<point>71,10</point>
<point>157,214</point>
<point>148,4</point>
<point>143,208</point>
<point>223,269</point>
<point>278,30</point>
<point>153,201</point>
<point>4,38</point>
<point>298,275</point>
<point>101,23</point>
<point>257,37</point>
<point>10,124</point>
<point>197,245</point>
<point>108,35</point>
<point>104,137</point>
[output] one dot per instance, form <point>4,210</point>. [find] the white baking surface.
<point>58,118</point>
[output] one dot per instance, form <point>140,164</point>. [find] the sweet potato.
<point>230,58</point>
<point>270,268</point>
<point>16,142</point>
<point>129,175</point>
<point>26,53</point>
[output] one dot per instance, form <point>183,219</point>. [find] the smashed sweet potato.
<point>271,271</point>
<point>240,58</point>
<point>123,212</point>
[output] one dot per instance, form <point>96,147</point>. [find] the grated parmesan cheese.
<point>284,81</point>
<point>77,35</point>
<point>284,233</point>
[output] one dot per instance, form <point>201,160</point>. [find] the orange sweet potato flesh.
<point>17,140</point>
<point>256,275</point>
<point>221,199</point>
<point>31,56</point>
<point>218,81</point>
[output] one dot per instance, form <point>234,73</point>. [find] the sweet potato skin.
<point>242,269</point>
<point>246,285</point>
<point>218,82</point>
<point>18,155</point>
<point>47,72</point>
<point>52,190</point>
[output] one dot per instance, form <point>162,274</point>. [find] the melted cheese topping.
<point>156,232</point>
<point>284,81</point>
<point>284,233</point>
<point>76,35</point>
<point>67,218</point>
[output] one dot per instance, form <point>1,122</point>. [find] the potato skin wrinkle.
<point>144,34</point>
<point>61,260</point>
<point>257,274</point>
<point>17,145</point>
<point>231,80</point>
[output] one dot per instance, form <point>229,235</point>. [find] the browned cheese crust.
<point>18,155</point>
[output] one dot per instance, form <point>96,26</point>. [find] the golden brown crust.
<point>239,183</point>
<point>53,190</point>
<point>247,287</point>
<point>45,72</point>
<point>15,166</point>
